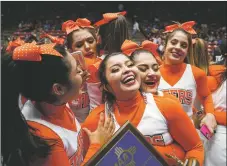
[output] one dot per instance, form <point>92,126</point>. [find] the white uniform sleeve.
<point>95,94</point>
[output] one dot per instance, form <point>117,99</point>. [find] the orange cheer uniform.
<point>62,129</point>
<point>161,120</point>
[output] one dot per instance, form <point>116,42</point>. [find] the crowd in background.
<point>212,34</point>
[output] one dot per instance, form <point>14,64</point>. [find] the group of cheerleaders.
<point>66,113</point>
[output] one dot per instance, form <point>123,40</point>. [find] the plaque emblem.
<point>125,157</point>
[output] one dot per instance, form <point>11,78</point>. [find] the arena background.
<point>35,17</point>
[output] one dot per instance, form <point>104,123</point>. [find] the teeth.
<point>130,78</point>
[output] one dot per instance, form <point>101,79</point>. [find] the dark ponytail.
<point>18,143</point>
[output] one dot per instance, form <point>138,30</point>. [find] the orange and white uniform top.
<point>185,82</point>
<point>62,127</point>
<point>161,120</point>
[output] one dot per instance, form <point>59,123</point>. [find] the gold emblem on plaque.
<point>125,157</point>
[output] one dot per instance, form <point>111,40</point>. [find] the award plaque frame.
<point>97,159</point>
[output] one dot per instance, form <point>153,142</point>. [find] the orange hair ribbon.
<point>107,17</point>
<point>32,52</point>
<point>187,26</point>
<point>71,25</point>
<point>128,47</point>
<point>54,39</point>
<point>13,44</point>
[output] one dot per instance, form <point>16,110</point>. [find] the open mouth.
<point>150,83</point>
<point>129,80</point>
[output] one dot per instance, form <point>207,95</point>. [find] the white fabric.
<point>187,84</point>
<point>95,94</point>
<point>219,97</point>
<point>218,58</point>
<point>215,148</point>
<point>136,26</point>
<point>152,122</point>
<point>68,137</point>
<point>20,104</point>
<point>80,106</point>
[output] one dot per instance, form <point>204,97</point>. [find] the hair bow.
<point>128,47</point>
<point>32,52</point>
<point>13,44</point>
<point>187,26</point>
<point>107,17</point>
<point>53,39</point>
<point>71,25</point>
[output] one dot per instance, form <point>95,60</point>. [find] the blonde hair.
<point>200,57</point>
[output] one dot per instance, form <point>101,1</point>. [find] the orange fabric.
<point>213,86</point>
<point>93,70</point>
<point>129,110</point>
<point>93,148</point>
<point>56,150</point>
<point>23,99</point>
<point>212,83</point>
<point>128,47</point>
<point>132,111</point>
<point>60,116</point>
<point>27,52</point>
<point>49,49</point>
<point>220,117</point>
<point>70,26</point>
<point>216,71</point>
<point>107,17</point>
<point>31,52</point>
<point>91,61</point>
<point>181,129</point>
<point>58,155</point>
<point>13,44</point>
<point>203,90</point>
<point>54,39</point>
<point>187,26</point>
<point>180,126</point>
<point>172,73</point>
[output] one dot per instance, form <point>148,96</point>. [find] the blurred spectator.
<point>135,28</point>
<point>20,26</point>
<point>46,26</point>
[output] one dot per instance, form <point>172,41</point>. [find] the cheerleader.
<point>181,79</point>
<point>215,148</point>
<point>45,132</point>
<point>160,118</point>
<point>81,36</point>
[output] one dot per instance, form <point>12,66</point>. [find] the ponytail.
<point>19,144</point>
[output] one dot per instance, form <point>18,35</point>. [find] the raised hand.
<point>104,131</point>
